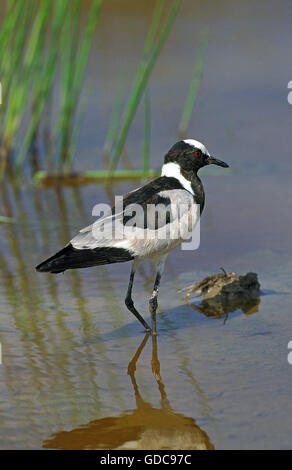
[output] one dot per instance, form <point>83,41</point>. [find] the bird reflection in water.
<point>144,427</point>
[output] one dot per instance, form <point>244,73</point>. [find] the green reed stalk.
<point>77,127</point>
<point>114,122</point>
<point>194,86</point>
<point>24,54</point>
<point>73,72</point>
<point>6,220</point>
<point>69,46</point>
<point>42,178</point>
<point>11,37</point>
<point>140,82</point>
<point>113,127</point>
<point>147,129</point>
<point>153,29</point>
<point>15,87</point>
<point>29,50</point>
<point>45,79</point>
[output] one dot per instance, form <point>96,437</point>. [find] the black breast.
<point>199,193</point>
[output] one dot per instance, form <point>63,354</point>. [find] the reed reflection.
<point>43,341</point>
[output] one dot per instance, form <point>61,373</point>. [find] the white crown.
<point>197,144</point>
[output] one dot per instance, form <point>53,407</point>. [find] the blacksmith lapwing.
<point>150,222</point>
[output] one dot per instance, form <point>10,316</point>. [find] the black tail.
<point>72,258</point>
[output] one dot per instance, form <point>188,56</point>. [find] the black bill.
<point>215,161</point>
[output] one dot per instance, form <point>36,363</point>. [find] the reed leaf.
<point>13,30</point>
<point>153,29</point>
<point>113,127</point>
<point>114,122</point>
<point>6,220</point>
<point>44,82</point>
<point>147,127</point>
<point>14,84</point>
<point>194,86</point>
<point>140,82</point>
<point>73,72</point>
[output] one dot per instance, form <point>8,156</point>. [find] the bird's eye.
<point>197,153</point>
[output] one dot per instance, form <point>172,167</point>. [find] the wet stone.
<point>224,293</point>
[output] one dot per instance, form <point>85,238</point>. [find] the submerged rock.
<point>224,293</point>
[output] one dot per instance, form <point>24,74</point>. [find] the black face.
<point>190,158</point>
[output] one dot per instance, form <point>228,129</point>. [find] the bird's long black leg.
<point>153,304</point>
<point>153,300</point>
<point>129,301</point>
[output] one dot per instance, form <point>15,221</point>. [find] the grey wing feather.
<point>106,231</point>
<point>161,235</point>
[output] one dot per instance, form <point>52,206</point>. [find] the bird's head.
<point>191,155</point>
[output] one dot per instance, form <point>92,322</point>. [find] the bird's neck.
<point>198,190</point>
<point>189,180</point>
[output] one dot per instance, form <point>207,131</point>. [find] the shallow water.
<point>67,340</point>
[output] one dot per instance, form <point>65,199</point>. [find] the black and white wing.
<point>151,220</point>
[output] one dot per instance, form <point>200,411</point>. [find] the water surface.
<point>67,340</point>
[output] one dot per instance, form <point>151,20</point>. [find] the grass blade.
<point>44,83</point>
<point>194,86</point>
<point>154,26</point>
<point>143,73</point>
<point>147,127</point>
<point>6,220</point>
<point>73,72</point>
